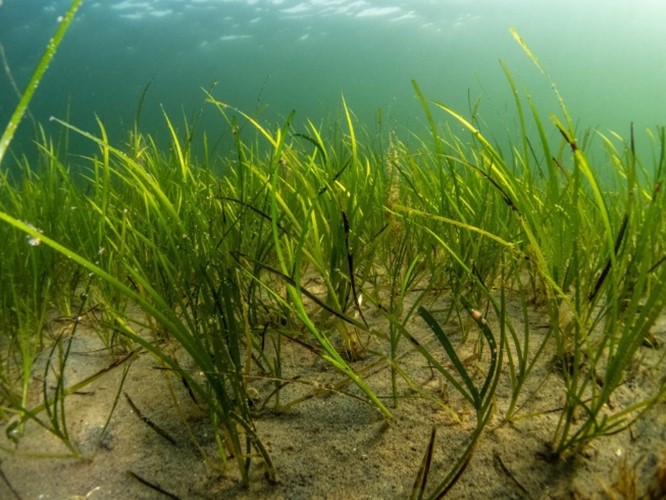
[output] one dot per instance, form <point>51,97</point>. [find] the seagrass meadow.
<point>294,310</point>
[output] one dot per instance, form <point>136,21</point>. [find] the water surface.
<point>271,56</point>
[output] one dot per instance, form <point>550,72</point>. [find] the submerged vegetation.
<point>328,238</point>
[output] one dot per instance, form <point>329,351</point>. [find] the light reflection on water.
<point>272,56</point>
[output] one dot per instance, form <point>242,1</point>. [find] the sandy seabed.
<point>331,444</point>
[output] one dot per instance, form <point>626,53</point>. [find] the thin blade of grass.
<point>36,78</point>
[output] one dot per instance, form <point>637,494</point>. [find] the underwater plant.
<point>318,239</point>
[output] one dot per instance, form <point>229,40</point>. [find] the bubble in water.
<point>33,241</point>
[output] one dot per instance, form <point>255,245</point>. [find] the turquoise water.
<point>271,56</point>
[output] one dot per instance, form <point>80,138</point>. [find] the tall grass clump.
<point>26,271</point>
<point>318,210</point>
<point>310,236</point>
<point>541,221</point>
<point>599,258</point>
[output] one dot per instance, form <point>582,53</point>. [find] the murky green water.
<point>272,56</point>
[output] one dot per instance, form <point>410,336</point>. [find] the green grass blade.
<point>451,353</point>
<point>36,78</point>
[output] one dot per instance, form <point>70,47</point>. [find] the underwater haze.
<point>268,57</point>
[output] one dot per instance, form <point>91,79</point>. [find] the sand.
<point>332,444</point>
